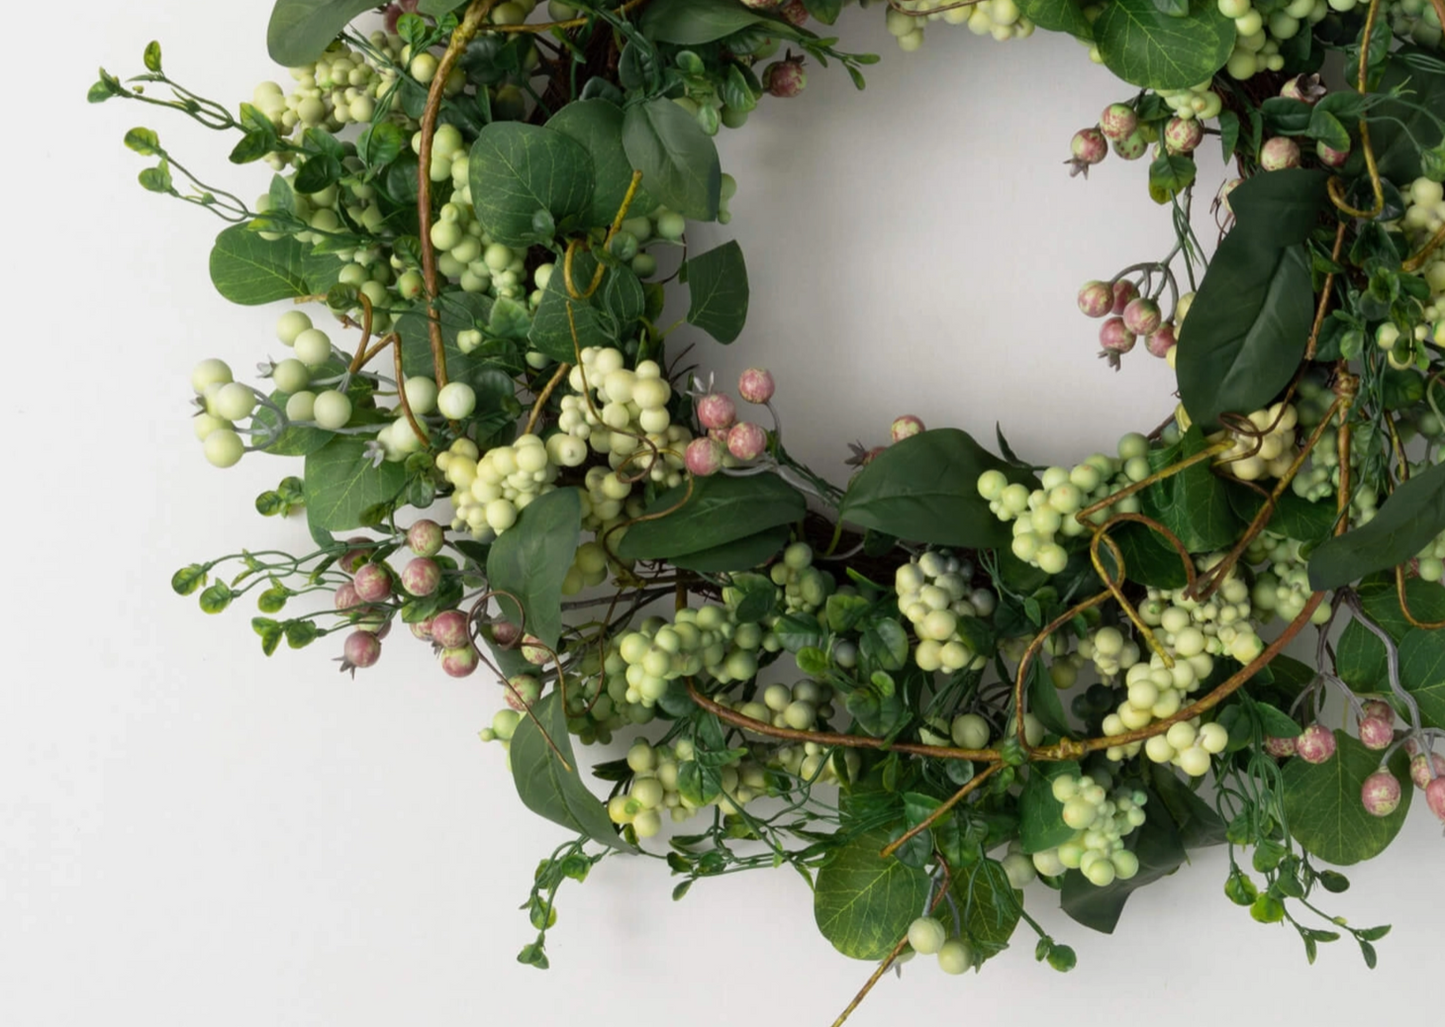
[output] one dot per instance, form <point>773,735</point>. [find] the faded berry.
<point>534,652</point>
<point>1305,88</point>
<point>1435,796</point>
<point>460,662</point>
<point>372,582</point>
<point>361,649</point>
<point>755,385</point>
<point>521,691</point>
<point>1376,734</point>
<point>1380,794</point>
<point>1420,769</point>
<point>1279,153</point>
<point>356,556</point>
<point>785,78</point>
<point>1316,744</point>
<point>1330,157</point>
<point>795,12</point>
<point>1183,135</point>
<point>703,456</point>
<point>1089,146</point>
<point>449,629</point>
<point>905,427</point>
<point>715,410</point>
<point>505,633</point>
<point>425,538</point>
<point>421,577</point>
<point>1132,146</point>
<point>346,597</point>
<point>1280,748</point>
<point>1142,316</point>
<point>421,630</point>
<point>1118,121</point>
<point>1115,336</point>
<point>1125,292</point>
<point>747,441</point>
<point>1161,342</point>
<point>1096,299</point>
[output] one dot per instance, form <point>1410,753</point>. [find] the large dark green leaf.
<point>516,170</point>
<point>1199,825</point>
<point>987,905</point>
<point>1147,47</point>
<point>1322,803</point>
<point>342,483</point>
<point>678,160</point>
<point>301,30</point>
<point>1288,202</point>
<point>690,22</point>
<point>546,786</point>
<point>597,125</point>
<point>552,328</point>
<point>1397,132</point>
<point>250,270</point>
<point>1160,852</point>
<point>1041,816</point>
<point>1148,559</point>
<point>1058,16</point>
<point>1359,655</point>
<point>720,510</point>
<point>530,559</point>
<point>717,283</point>
<point>925,489</point>
<point>1412,516</point>
<point>1422,673</point>
<point>863,904</point>
<point>741,555</point>
<point>1248,328</point>
<point>458,312</point>
<point>1192,503</point>
<point>1294,516</point>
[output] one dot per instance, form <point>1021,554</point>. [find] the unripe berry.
<point>794,12</point>
<point>1380,794</point>
<point>421,577</point>
<point>747,441</point>
<point>715,410</point>
<point>927,935</point>
<point>449,629</point>
<point>458,663</point>
<point>785,78</point>
<point>425,538</point>
<point>1183,135</point>
<point>223,448</point>
<point>1280,748</point>
<point>361,649</point>
<point>1330,157</point>
<point>905,427</point>
<point>1115,337</point>
<point>703,456</point>
<point>1316,744</point>
<point>755,385</point>
<point>372,583</point>
<point>1118,121</point>
<point>1089,146</point>
<point>1132,146</point>
<point>1420,769</point>
<point>1435,797</point>
<point>534,652</point>
<point>456,401</point>
<point>1279,153</point>
<point>955,956</point>
<point>523,691</point>
<point>1142,316</point>
<point>1125,292</point>
<point>1096,299</point>
<point>1162,341</point>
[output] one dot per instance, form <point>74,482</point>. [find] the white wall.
<point>193,834</point>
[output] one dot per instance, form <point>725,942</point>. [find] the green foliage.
<point>597,126</point>
<point>1058,16</point>
<point>344,484</point>
<point>517,170</point>
<point>1360,656</point>
<point>1400,133</point>
<point>1422,673</point>
<point>925,489</point>
<point>1192,503</point>
<point>988,906</point>
<point>250,270</point>
<point>1160,851</point>
<point>691,22</point>
<point>1410,518</point>
<point>1041,816</point>
<point>528,561</point>
<point>545,784</point>
<point>720,511</point>
<point>717,283</point>
<point>1147,47</point>
<point>862,903</point>
<point>678,161</point>
<point>739,555</point>
<point>301,30</point>
<point>1322,803</point>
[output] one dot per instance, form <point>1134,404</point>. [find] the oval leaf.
<point>678,161</point>
<point>742,555</point>
<point>862,903</point>
<point>719,511</point>
<point>530,559</point>
<point>1322,802</point>
<point>342,483</point>
<point>516,170</point>
<point>301,30</point>
<point>717,283</point>
<point>597,126</point>
<point>1422,673</point>
<point>1143,45</point>
<point>1412,515</point>
<point>691,22</point>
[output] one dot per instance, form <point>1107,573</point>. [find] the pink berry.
<point>1132,146</point>
<point>756,385</point>
<point>346,597</point>
<point>747,441</point>
<point>1376,734</point>
<point>534,652</point>
<point>1280,748</point>
<point>450,629</point>
<point>1115,337</point>
<point>421,577</point>
<point>425,538</point>
<point>795,12</point>
<point>505,633</point>
<point>715,410</point>
<point>524,690</point>
<point>1142,316</point>
<point>703,456</point>
<point>356,556</point>
<point>1330,157</point>
<point>459,662</point>
<point>905,427</point>
<point>1183,135</point>
<point>1379,710</point>
<point>361,649</point>
<point>1435,796</point>
<point>1279,153</point>
<point>785,79</point>
<point>421,630</point>
<point>1420,769</point>
<point>1161,342</point>
<point>1305,88</point>
<point>1118,121</point>
<point>1096,299</point>
<point>372,582</point>
<point>1125,292</point>
<point>1316,744</point>
<point>1380,794</point>
<point>1089,146</point>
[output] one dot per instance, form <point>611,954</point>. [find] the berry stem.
<point>943,808</point>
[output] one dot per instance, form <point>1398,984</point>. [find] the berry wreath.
<point>1006,678</point>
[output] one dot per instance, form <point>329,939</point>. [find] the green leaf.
<point>863,904</point>
<point>1148,559</point>
<point>342,484</point>
<point>250,270</point>
<point>988,906</point>
<point>1228,134</point>
<point>717,283</point>
<point>691,22</point>
<point>597,126</point>
<point>188,579</point>
<point>740,555</point>
<point>530,559</point>
<point>1192,503</point>
<point>143,141</point>
<point>720,510</point>
<point>1041,819</point>
<point>515,170</point>
<point>458,312</point>
<point>1294,516</point>
<point>678,160</point>
<point>1412,515</point>
<point>1248,330</point>
<point>1044,702</point>
<point>1199,825</point>
<point>1422,673</point>
<point>546,786</point>
<point>216,597</point>
<point>301,30</point>
<point>1170,175</point>
<point>1160,852</point>
<point>551,331</point>
<point>1398,143</point>
<point>925,489</point>
<point>1322,803</point>
<point>1360,656</point>
<point>379,144</point>
<point>1058,16</point>
<point>1284,204</point>
<point>1146,47</point>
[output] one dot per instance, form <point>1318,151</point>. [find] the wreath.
<point>957,680</point>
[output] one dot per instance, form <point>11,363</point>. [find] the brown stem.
<point>1336,185</point>
<point>401,390</point>
<point>944,807</point>
<point>1428,625</point>
<point>1325,292</point>
<point>826,738</point>
<point>477,608</point>
<point>544,395</point>
<point>1115,587</point>
<point>359,361</point>
<point>1418,258</point>
<point>1021,677</point>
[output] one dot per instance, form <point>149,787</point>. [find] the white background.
<point>193,834</point>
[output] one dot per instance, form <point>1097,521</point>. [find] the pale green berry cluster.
<point>1000,19</point>
<point>1283,587</point>
<point>1320,477</point>
<point>706,640</point>
<point>223,402</point>
<point>1218,626</point>
<point>341,88</point>
<point>928,937</point>
<point>1253,457</point>
<point>466,254</point>
<point>1259,33</point>
<point>654,788</point>
<point>805,587</point>
<point>1153,691</point>
<point>935,591</point>
<point>1112,651</point>
<point>805,706</point>
<point>1101,822</point>
<point>1199,102</point>
<point>588,570</point>
<point>1416,19</point>
<point>1423,217</point>
<point>1188,746</point>
<point>1042,515</point>
<point>491,489</point>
